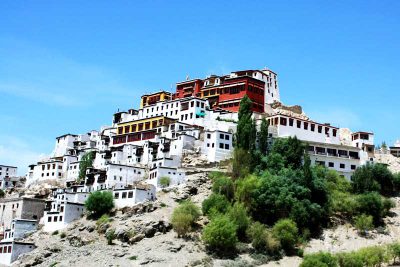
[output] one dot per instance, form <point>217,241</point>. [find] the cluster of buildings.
<point>145,146</point>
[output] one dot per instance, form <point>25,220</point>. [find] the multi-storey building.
<point>7,171</point>
<point>225,92</point>
<point>395,149</point>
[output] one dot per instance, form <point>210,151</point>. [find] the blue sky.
<point>67,66</point>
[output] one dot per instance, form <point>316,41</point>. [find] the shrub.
<point>103,219</point>
<point>352,259</point>
<point>165,181</point>
<point>215,203</point>
<point>99,203</point>
<point>55,232</point>
<point>394,250</point>
<point>388,204</point>
<point>2,193</point>
<point>245,189</point>
<point>241,161</point>
<point>373,256</point>
<point>63,235</point>
<point>371,204</point>
<point>184,217</point>
<point>364,223</point>
<point>110,235</point>
<point>262,240</point>
<point>220,234</point>
<point>286,232</point>
<point>320,259</point>
<point>238,214</point>
<point>223,185</point>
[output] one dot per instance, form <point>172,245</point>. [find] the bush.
<point>262,240</point>
<point>2,193</point>
<point>215,203</point>
<point>99,203</point>
<point>110,235</point>
<point>223,185</point>
<point>105,218</point>
<point>220,234</point>
<point>55,232</point>
<point>286,232</point>
<point>86,162</point>
<point>371,204</point>
<point>165,181</point>
<point>63,235</point>
<point>241,161</point>
<point>373,256</point>
<point>374,178</point>
<point>364,223</point>
<point>352,259</point>
<point>238,214</point>
<point>184,216</point>
<point>320,259</point>
<point>394,250</point>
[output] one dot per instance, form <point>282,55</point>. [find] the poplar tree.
<point>246,131</point>
<point>263,139</point>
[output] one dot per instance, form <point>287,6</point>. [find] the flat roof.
<point>8,166</point>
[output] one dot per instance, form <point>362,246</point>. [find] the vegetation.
<point>215,203</point>
<point>99,203</point>
<point>364,223</point>
<point>86,162</point>
<point>286,232</point>
<point>55,232</point>
<point>320,259</point>
<point>2,193</point>
<point>276,200</point>
<point>368,256</point>
<point>110,235</point>
<point>220,234</point>
<point>184,217</point>
<point>63,235</point>
<point>165,181</point>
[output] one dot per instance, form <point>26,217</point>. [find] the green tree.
<point>246,132</point>
<point>110,235</point>
<point>86,162</point>
<point>99,203</point>
<point>394,250</point>
<point>263,136</point>
<point>215,203</point>
<point>220,234</point>
<point>238,214</point>
<point>291,151</point>
<point>245,189</point>
<point>371,204</point>
<point>241,163</point>
<point>320,259</point>
<point>287,233</point>
<point>223,185</point>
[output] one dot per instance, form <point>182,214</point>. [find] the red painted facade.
<point>225,92</point>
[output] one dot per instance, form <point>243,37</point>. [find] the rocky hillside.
<point>145,238</point>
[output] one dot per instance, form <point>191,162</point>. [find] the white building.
<point>137,194</point>
<point>7,171</point>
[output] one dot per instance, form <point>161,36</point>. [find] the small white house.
<point>11,250</point>
<point>175,176</point>
<point>138,194</point>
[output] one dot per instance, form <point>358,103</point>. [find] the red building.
<point>225,92</point>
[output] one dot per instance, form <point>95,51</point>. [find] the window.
<point>130,194</point>
<point>116,195</point>
<point>221,145</point>
<point>305,125</point>
<point>9,249</point>
<point>226,137</point>
<point>49,219</point>
<point>221,136</point>
<point>227,146</point>
<point>331,164</point>
<point>123,194</point>
<point>353,167</point>
<point>55,218</point>
<point>291,122</point>
<point>334,132</point>
<point>312,127</point>
<point>319,129</point>
<point>298,124</point>
<point>208,136</point>
<point>342,165</point>
<point>60,218</point>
